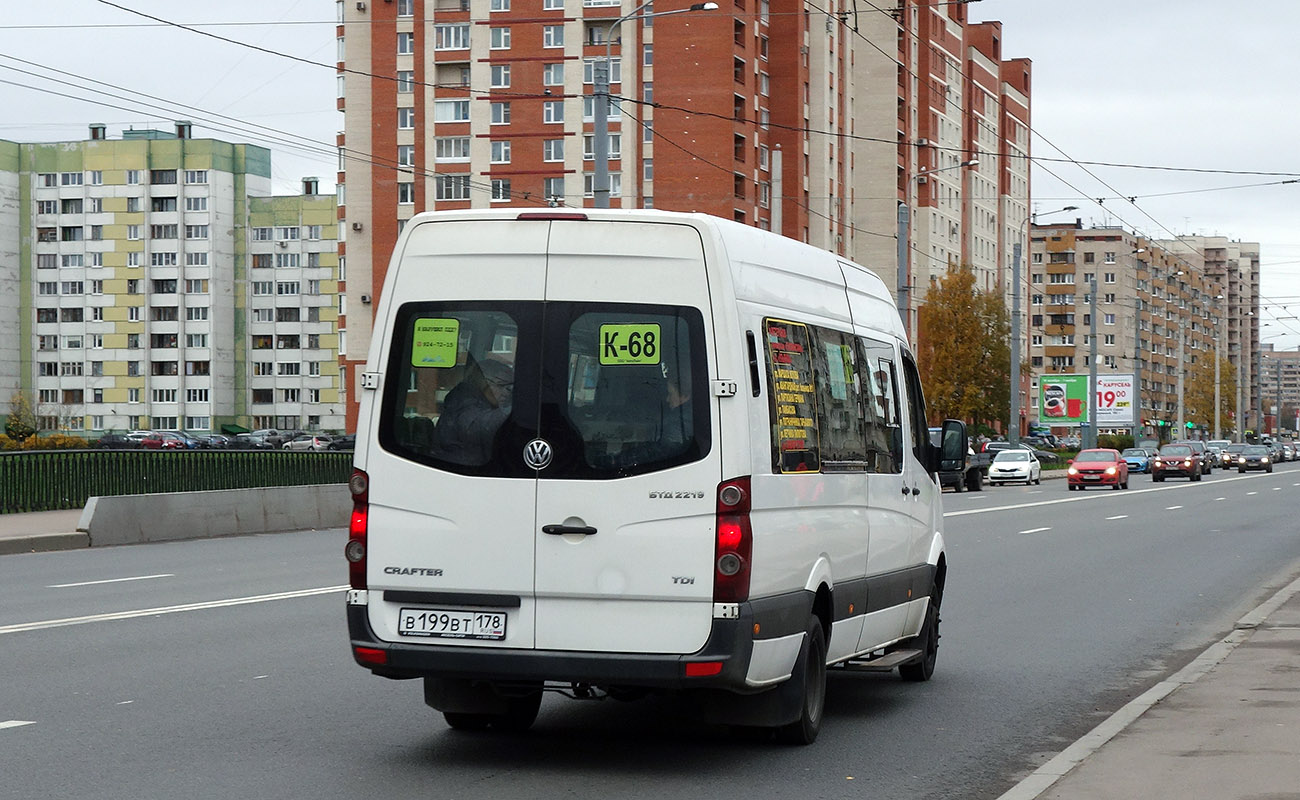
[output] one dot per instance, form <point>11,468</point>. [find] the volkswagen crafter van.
<point>620,452</point>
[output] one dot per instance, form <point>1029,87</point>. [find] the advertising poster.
<point>1063,400</point>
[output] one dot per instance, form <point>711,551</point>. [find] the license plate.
<point>439,623</point>
<point>1092,477</point>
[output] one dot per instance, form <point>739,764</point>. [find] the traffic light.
<point>1191,425</point>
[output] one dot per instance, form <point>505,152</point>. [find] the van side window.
<point>884,431</point>
<point>841,422</point>
<point>916,408</point>
<point>796,445</point>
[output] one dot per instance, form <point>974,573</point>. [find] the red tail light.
<point>732,551</point>
<point>355,549</point>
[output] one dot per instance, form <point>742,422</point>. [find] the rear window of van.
<point>612,389</point>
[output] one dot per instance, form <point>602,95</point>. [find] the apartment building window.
<point>1036,258</point>
<point>95,233</point>
<point>287,342</point>
<point>553,188</point>
<point>49,288</point>
<point>288,368</point>
<point>133,177</point>
<point>405,8</point>
<point>163,423</point>
<point>49,369</point>
<point>1110,257</point>
<point>73,287</point>
<point>261,234</point>
<point>96,259</point>
<point>499,5</point>
<point>1108,319</point>
<point>47,207</point>
<point>647,55</point>
<point>47,235</point>
<point>95,205</point>
<point>95,178</point>
<point>47,261</point>
<point>500,76</point>
<point>553,111</point>
<point>313,260</point>
<point>196,340</point>
<point>447,111</point>
<point>451,187</point>
<point>286,288</point>
<point>165,286</point>
<point>71,205</point>
<point>451,37</point>
<point>289,395</point>
<point>198,368</point>
<point>162,396</point>
<point>198,423</point>
<point>552,74</point>
<point>405,44</point>
<point>162,177</point>
<point>451,149</point>
<point>405,80</point>
<point>196,231</point>
<point>263,315</point>
<point>162,231</point>
<point>47,343</point>
<point>196,285</point>
<point>647,169</point>
<point>133,395</point>
<point>589,70</point>
<point>405,192</point>
<point>262,261</point>
<point>263,287</point>
<point>162,259</point>
<point>552,36</point>
<point>159,204</point>
<point>589,109</point>
<point>47,179</point>
<point>1089,258</point>
<point>500,113</point>
<point>552,149</point>
<point>287,233</point>
<point>615,184</point>
<point>1108,298</point>
<point>406,155</point>
<point>71,233</point>
<point>500,39</point>
<point>196,395</point>
<point>263,396</point>
<point>196,176</point>
<point>500,189</point>
<point>1108,338</point>
<point>73,260</point>
<point>552,5</point>
<point>71,179</point>
<point>589,146</point>
<point>1108,277</point>
<point>164,314</point>
<point>72,368</point>
<point>196,204</point>
<point>264,342</point>
<point>406,118</point>
<point>500,151</point>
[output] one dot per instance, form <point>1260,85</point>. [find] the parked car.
<point>1015,465</point>
<point>1137,458</point>
<point>1046,456</point>
<point>275,437</point>
<point>163,440</point>
<point>1178,460</point>
<point>1099,467</point>
<point>251,441</point>
<point>1255,456</point>
<point>138,436</point>
<point>345,442</point>
<point>308,441</point>
<point>192,442</point>
<point>116,441</point>
<point>218,441</point>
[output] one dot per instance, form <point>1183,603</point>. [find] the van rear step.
<point>883,663</point>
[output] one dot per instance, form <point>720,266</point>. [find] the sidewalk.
<point>1227,726</point>
<point>41,531</point>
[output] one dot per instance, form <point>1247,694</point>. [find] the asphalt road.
<point>221,667</point>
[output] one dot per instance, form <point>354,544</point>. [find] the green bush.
<point>1116,441</point>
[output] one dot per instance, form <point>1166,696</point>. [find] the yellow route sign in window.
<point>433,342</point>
<point>629,344</point>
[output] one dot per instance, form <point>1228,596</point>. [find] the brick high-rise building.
<point>816,122</point>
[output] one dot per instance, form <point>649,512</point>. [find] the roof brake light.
<point>553,215</point>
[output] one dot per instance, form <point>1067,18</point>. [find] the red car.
<point>1100,467</point>
<point>162,440</point>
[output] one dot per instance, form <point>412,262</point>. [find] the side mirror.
<point>950,456</point>
<point>1069,461</point>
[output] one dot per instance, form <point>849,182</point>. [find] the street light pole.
<point>1091,439</point>
<point>1013,426</point>
<point>903,281</point>
<point>600,79</point>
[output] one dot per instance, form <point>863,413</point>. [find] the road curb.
<point>1041,779</point>
<point>44,543</point>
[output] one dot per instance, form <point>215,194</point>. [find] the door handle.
<point>915,491</point>
<point>560,530</point>
<point>906,491</point>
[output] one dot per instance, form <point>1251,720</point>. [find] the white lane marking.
<point>1036,530</point>
<point>15,723</point>
<point>1118,516</point>
<point>110,580</point>
<point>1172,508</point>
<point>126,702</point>
<point>1277,488</point>
<point>151,612</point>
<point>1251,494</point>
<point>1095,495</point>
<point>1217,499</point>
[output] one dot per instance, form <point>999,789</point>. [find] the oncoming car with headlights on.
<point>1100,467</point>
<point>1176,459</point>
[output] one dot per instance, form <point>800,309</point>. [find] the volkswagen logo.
<point>537,454</point>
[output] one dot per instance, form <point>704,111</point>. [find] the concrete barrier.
<point>130,519</point>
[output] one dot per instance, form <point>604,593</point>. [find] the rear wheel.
<point>810,670</point>
<point>462,721</point>
<point>928,643</point>
<point>1196,476</point>
<point>521,713</point>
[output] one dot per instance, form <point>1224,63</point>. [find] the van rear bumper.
<point>730,643</point>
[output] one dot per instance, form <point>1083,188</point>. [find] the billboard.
<point>1063,400</point>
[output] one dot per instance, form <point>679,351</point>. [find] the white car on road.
<point>1015,465</point>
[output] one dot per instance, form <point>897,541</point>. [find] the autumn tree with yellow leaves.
<point>1198,393</point>
<point>963,351</point>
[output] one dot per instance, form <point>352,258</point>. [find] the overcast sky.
<point>1191,84</point>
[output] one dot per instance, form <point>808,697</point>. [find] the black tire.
<point>1116,487</point>
<point>928,641</point>
<point>976,484</point>
<point>1157,478</point>
<point>1242,470</point>
<point>1072,486</point>
<point>960,485</point>
<point>1039,480</point>
<point>462,721</point>
<point>1270,469</point>
<point>521,713</point>
<point>1196,476</point>
<point>810,671</point>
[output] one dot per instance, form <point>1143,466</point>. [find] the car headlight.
<point>1264,460</point>
<point>1110,470</point>
<point>1072,471</point>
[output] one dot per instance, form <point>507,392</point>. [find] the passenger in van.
<point>473,412</point>
<point>677,429</point>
